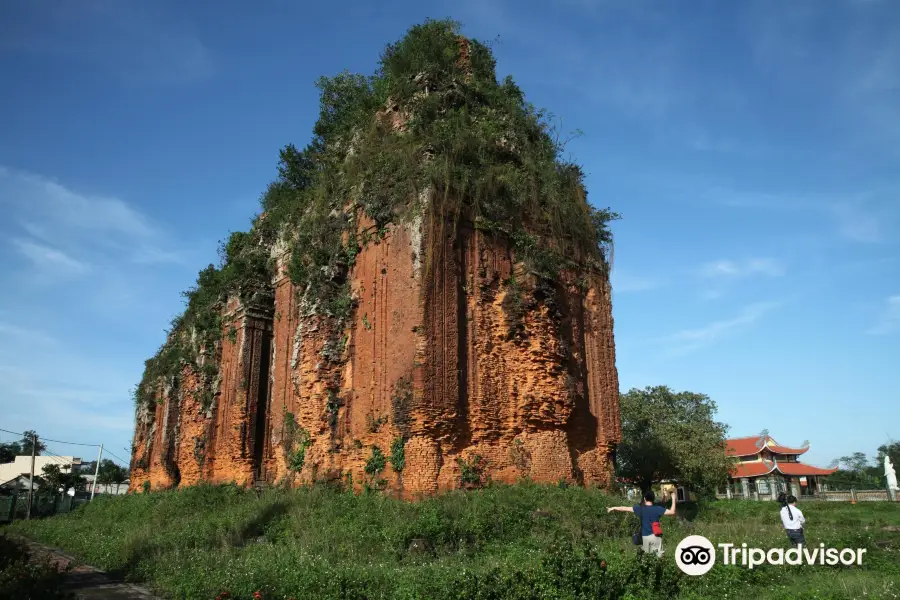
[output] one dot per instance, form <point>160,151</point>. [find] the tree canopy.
<point>28,438</point>
<point>857,471</point>
<point>56,477</point>
<point>10,450</point>
<point>111,473</point>
<point>891,449</point>
<point>669,435</point>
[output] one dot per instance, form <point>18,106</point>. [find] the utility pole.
<point>31,478</point>
<point>97,472</point>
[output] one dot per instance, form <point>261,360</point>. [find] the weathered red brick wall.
<point>193,427</point>
<point>429,354</point>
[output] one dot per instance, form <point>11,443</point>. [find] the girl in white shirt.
<point>792,519</point>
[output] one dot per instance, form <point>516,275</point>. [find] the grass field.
<point>515,542</point>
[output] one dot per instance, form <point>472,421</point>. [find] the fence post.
<point>31,477</point>
<point>97,472</point>
<point>11,513</point>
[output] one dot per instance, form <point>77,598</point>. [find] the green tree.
<point>111,473</point>
<point>854,463</point>
<point>893,450</point>
<point>674,436</point>
<point>27,438</point>
<point>855,470</point>
<point>9,452</point>
<point>57,476</point>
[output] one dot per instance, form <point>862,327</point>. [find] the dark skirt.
<point>796,536</point>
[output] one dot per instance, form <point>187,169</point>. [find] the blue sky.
<point>753,149</point>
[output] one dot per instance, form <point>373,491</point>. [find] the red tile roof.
<point>744,446</point>
<point>779,449</point>
<point>764,467</point>
<point>752,469</point>
<point>748,446</point>
<point>801,469</point>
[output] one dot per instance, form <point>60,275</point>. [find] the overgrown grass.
<point>23,576</point>
<point>523,541</point>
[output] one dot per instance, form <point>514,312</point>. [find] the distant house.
<point>105,488</point>
<point>19,485</point>
<point>765,468</point>
<point>22,466</point>
<point>665,488</point>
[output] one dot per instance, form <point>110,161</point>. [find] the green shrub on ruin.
<point>398,453</point>
<point>489,158</point>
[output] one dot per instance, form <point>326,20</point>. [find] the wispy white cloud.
<point>889,321</point>
<point>64,232</point>
<point>49,259</point>
<point>769,267</point>
<point>689,340</point>
<point>71,399</point>
<point>853,73</point>
<point>870,215</point>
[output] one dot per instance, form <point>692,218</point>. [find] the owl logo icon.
<point>695,555</point>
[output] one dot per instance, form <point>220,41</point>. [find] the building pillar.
<point>745,488</point>
<point>773,493</point>
<point>795,488</point>
<point>728,490</point>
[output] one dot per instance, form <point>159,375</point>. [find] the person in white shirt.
<point>793,520</point>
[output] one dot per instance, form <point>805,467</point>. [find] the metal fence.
<point>16,506</point>
<point>851,495</point>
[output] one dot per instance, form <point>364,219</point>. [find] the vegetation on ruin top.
<point>431,137</point>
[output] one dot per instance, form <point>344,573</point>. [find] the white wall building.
<point>22,466</point>
<point>105,488</point>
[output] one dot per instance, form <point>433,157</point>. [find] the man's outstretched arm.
<point>671,510</point>
<point>620,509</point>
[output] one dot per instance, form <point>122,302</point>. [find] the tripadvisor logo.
<point>696,555</point>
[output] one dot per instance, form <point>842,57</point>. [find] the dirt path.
<point>89,583</point>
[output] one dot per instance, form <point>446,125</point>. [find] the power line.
<point>70,443</point>
<point>43,439</point>
<point>50,454</point>
<point>57,458</point>
<point>114,456</point>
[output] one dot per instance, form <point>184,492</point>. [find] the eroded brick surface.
<point>431,353</point>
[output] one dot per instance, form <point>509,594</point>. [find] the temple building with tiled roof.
<point>764,468</point>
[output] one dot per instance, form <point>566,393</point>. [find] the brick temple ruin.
<point>427,357</point>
